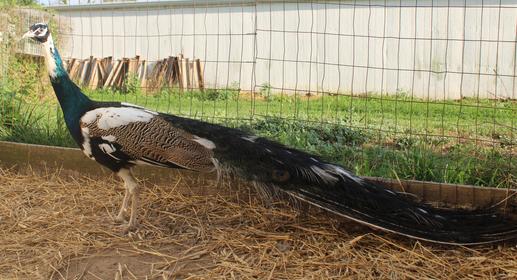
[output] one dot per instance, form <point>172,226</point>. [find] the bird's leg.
<point>123,208</point>
<point>219,172</point>
<point>133,224</point>
<point>132,192</point>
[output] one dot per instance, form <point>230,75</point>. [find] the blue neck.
<point>73,102</point>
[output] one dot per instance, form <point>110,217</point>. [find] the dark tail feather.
<point>394,213</point>
<point>344,194</point>
<point>336,190</point>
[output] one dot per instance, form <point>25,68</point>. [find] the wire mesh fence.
<point>420,90</point>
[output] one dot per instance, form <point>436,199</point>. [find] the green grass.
<point>466,142</point>
<point>32,123</point>
<point>483,118</point>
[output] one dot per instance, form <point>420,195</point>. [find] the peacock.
<point>120,136</point>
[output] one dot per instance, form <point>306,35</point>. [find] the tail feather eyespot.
<point>280,176</point>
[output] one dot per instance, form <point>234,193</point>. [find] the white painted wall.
<point>461,50</point>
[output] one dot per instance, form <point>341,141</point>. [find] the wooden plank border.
<point>19,155</point>
<point>39,157</point>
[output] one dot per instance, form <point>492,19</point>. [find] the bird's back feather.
<point>127,135</point>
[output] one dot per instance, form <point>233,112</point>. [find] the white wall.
<point>461,50</point>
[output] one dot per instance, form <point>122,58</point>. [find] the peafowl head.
<point>38,32</point>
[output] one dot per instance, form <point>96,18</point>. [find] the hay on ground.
<point>58,226</point>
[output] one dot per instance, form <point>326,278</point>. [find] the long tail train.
<point>334,189</point>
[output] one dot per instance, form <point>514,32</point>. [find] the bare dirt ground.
<point>59,225</point>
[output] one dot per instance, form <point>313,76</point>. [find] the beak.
<point>29,34</point>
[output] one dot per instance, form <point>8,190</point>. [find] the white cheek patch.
<point>205,142</point>
<point>50,61</point>
<point>113,117</point>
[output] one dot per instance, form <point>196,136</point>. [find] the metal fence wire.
<point>407,89</point>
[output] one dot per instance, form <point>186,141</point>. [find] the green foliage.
<point>28,123</point>
<point>223,94</point>
<point>25,77</point>
<point>202,95</point>
<point>132,85</point>
<point>265,91</point>
<point>9,108</point>
<point>304,135</point>
<point>19,3</point>
<point>213,94</point>
<point>22,74</point>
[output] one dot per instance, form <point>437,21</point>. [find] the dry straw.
<point>59,225</point>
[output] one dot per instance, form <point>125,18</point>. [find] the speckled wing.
<point>140,136</point>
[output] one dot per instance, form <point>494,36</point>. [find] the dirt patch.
<point>122,261</point>
<point>58,226</point>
